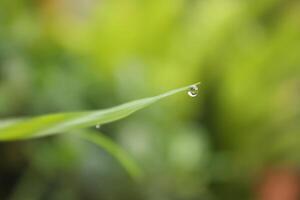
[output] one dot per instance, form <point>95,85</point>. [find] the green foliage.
<point>61,56</point>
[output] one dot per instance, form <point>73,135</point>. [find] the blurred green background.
<point>239,139</point>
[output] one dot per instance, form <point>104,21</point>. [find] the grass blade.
<point>50,124</point>
<point>113,149</point>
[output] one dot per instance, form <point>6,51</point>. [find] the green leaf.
<point>19,129</point>
<point>113,149</point>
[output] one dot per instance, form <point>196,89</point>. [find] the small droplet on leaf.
<point>98,126</point>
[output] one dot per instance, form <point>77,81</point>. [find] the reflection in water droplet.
<point>193,91</point>
<point>98,126</point>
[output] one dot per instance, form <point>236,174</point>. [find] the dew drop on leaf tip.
<point>193,91</point>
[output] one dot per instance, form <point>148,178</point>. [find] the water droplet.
<point>98,126</point>
<point>193,91</point>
